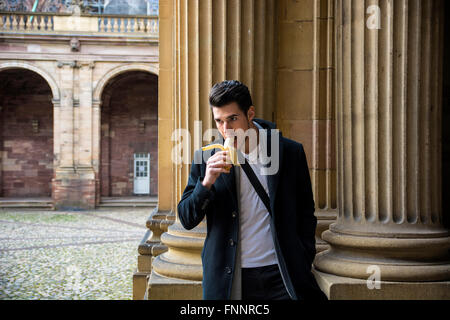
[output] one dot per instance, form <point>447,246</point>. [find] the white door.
<point>142,173</point>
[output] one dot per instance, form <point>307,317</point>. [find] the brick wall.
<point>26,150</point>
<point>129,125</point>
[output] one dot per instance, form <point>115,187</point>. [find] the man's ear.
<point>251,113</point>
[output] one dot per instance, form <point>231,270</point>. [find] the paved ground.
<point>69,255</point>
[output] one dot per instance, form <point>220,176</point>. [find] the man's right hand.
<point>216,164</point>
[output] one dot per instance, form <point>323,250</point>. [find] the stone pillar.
<point>66,118</point>
<point>389,89</point>
<point>62,186</point>
<point>177,273</point>
<point>84,134</point>
<point>96,138</point>
<point>74,181</point>
<point>148,249</point>
<point>305,106</point>
<point>144,285</point>
<point>201,43</point>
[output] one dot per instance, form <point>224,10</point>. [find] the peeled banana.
<point>227,146</point>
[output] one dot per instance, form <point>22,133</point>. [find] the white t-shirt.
<point>257,248</point>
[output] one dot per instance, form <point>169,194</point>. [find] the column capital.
<point>96,103</point>
<point>56,103</point>
<point>86,64</point>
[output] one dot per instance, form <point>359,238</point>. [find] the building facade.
<point>78,105</point>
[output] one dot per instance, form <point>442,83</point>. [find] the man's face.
<point>231,117</point>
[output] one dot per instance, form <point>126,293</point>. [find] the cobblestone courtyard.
<point>69,255</point>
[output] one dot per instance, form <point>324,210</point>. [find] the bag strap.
<point>256,184</point>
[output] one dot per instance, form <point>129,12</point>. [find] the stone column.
<point>389,89</point>
<point>305,106</point>
<point>144,285</point>
<point>177,273</point>
<point>212,41</point>
<point>74,181</point>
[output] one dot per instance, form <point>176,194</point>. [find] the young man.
<point>251,252</point>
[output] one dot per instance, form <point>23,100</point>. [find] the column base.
<point>74,190</point>
<point>343,288</point>
<point>324,219</point>
<point>183,258</point>
<point>149,248</point>
<point>405,259</point>
<point>164,288</point>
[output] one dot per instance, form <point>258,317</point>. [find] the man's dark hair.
<point>230,91</point>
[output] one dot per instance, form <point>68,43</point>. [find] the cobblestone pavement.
<point>69,255</point>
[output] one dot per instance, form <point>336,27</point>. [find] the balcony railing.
<point>26,22</point>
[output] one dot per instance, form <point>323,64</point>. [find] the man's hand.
<point>216,164</point>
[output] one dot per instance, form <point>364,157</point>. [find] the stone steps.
<point>45,203</point>
<point>109,202</point>
<point>128,202</point>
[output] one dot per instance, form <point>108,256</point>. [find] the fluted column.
<point>213,41</point>
<point>182,261</point>
<point>323,160</point>
<point>389,89</point>
<point>305,106</point>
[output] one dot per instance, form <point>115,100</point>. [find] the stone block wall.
<point>129,125</point>
<point>26,141</point>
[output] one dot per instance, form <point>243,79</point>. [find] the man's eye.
<point>233,118</point>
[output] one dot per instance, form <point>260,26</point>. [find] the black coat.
<point>293,223</point>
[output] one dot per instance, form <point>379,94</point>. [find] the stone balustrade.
<point>45,22</point>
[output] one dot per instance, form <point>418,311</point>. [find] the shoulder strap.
<point>257,185</point>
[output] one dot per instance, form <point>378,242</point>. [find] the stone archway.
<point>49,79</point>
<point>118,70</point>
<point>129,129</point>
<point>26,131</point>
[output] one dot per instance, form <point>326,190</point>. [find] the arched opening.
<point>129,136</point>
<point>26,135</point>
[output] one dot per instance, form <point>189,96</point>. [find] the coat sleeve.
<point>196,199</point>
<point>307,221</point>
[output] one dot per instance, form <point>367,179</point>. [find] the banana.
<point>227,146</point>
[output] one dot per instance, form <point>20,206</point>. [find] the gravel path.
<point>87,255</point>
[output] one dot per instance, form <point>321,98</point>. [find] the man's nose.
<point>227,126</point>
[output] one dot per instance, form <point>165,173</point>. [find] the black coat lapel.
<point>230,182</point>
